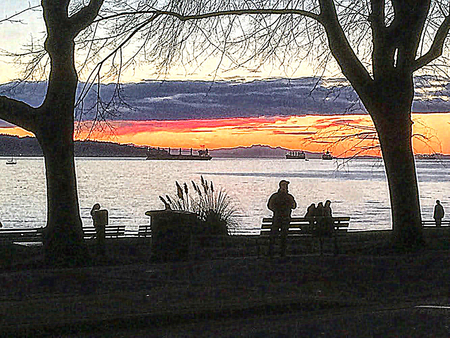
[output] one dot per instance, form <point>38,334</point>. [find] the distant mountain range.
<point>29,147</point>
<point>256,151</point>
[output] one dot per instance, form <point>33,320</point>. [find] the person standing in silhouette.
<point>100,220</point>
<point>281,204</point>
<point>438,213</point>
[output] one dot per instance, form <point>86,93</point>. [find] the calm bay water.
<point>130,187</point>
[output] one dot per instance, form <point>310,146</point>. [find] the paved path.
<point>242,297</point>
<point>362,322</point>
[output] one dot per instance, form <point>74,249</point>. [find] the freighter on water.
<point>162,154</point>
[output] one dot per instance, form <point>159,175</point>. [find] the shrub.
<point>214,207</point>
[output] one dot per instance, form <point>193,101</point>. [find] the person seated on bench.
<point>324,226</point>
<point>328,217</point>
<point>281,204</point>
<point>310,215</point>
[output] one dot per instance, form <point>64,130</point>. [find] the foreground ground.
<point>233,293</point>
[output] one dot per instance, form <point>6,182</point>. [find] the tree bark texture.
<point>63,240</point>
<point>389,105</point>
<point>395,139</point>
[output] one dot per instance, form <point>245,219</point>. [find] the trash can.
<point>171,234</point>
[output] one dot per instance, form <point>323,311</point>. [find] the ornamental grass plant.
<point>215,209</point>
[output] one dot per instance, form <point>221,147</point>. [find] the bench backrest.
<point>145,230</point>
<point>36,234</point>
<point>21,235</point>
<point>432,223</point>
<point>301,225</point>
<point>111,231</point>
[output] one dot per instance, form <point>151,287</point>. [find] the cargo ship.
<point>297,155</point>
<point>162,154</point>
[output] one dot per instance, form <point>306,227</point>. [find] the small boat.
<point>327,156</point>
<point>11,161</point>
<point>297,155</point>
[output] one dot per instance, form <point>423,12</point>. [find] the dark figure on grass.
<point>324,223</point>
<point>281,204</point>
<point>327,213</point>
<point>100,220</point>
<point>438,213</point>
<point>310,216</point>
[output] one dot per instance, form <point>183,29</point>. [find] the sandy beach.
<point>232,292</point>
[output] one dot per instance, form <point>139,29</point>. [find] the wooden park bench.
<point>432,223</point>
<point>301,227</point>
<point>111,231</point>
<point>35,235</point>
<point>31,235</point>
<point>145,231</point>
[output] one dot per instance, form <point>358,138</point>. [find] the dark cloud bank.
<point>176,100</point>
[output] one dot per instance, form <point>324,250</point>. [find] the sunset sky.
<point>296,113</point>
<point>311,133</point>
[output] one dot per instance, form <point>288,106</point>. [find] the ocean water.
<point>128,187</point>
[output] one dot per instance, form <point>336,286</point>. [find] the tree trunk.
<point>395,132</point>
<point>63,241</point>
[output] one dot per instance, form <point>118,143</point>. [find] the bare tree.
<point>387,91</point>
<point>53,125</point>
<point>70,26</point>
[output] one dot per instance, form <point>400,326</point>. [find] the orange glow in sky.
<point>310,133</point>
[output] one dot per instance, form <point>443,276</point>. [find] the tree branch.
<point>18,113</point>
<point>84,17</point>
<point>381,47</point>
<point>182,17</point>
<point>436,47</point>
<point>340,47</point>
<point>11,18</point>
<point>88,84</point>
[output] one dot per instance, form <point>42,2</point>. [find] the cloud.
<point>4,124</point>
<point>281,132</point>
<point>185,100</point>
